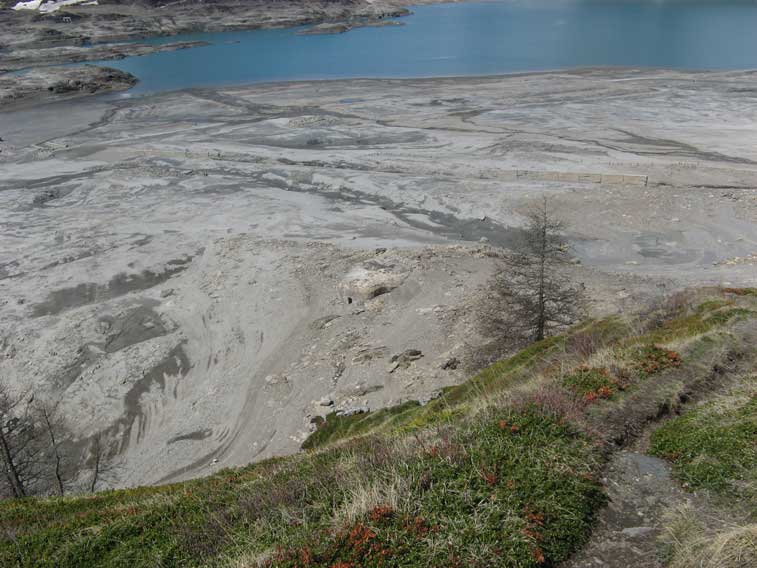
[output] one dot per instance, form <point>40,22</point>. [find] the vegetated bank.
<point>713,450</point>
<point>503,470</point>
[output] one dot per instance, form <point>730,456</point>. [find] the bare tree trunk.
<point>54,444</point>
<point>12,442</point>
<point>542,315</point>
<point>97,452</point>
<point>11,471</point>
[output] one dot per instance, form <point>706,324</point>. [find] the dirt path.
<point>640,489</point>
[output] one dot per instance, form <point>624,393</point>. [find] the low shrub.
<point>593,383</point>
<point>741,291</point>
<point>513,488</point>
<point>334,427</point>
<point>722,317</point>
<point>651,359</point>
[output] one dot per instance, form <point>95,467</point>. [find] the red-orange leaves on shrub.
<point>491,479</point>
<point>652,359</point>
<point>538,555</point>
<point>417,526</point>
<point>534,518</point>
<point>381,513</point>
<point>604,392</point>
<point>307,556</point>
<point>534,526</point>
<point>593,383</point>
<point>489,476</point>
<point>506,426</point>
<point>360,536</point>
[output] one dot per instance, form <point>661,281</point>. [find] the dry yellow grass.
<point>364,498</point>
<point>692,544</point>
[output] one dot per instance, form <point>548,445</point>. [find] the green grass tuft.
<point>336,427</point>
<point>513,488</point>
<point>713,446</point>
<point>592,383</point>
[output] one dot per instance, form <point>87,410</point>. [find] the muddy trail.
<point>640,490</point>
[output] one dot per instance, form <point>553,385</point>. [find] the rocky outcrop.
<point>343,27</point>
<point>61,82</point>
<point>72,33</point>
<point>111,21</point>
<point>61,54</point>
<point>370,280</point>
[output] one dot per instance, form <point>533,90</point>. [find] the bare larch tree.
<point>19,444</point>
<point>100,467</point>
<point>96,459</point>
<point>531,296</point>
<point>52,425</point>
<point>36,457</point>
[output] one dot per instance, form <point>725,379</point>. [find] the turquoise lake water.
<point>472,39</point>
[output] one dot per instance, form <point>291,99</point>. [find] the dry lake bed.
<point>200,273</point>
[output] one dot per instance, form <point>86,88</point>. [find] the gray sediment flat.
<point>192,272</point>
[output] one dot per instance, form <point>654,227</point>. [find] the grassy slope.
<point>500,471</point>
<point>713,448</point>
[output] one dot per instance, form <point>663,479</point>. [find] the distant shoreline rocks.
<point>332,28</point>
<point>47,83</point>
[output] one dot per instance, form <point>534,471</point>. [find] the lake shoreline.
<point>56,35</point>
<point>37,97</point>
<point>43,85</point>
<point>63,38</point>
<point>509,39</point>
